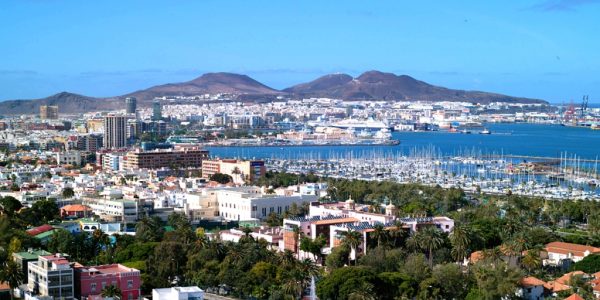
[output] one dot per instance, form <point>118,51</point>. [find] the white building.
<point>51,275</point>
<point>178,293</point>
<point>112,208</point>
<point>250,203</point>
<point>559,251</point>
<point>68,158</point>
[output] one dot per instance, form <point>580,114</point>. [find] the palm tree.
<point>12,274</point>
<point>380,234</point>
<point>460,240</point>
<point>430,239</point>
<point>532,260</point>
<point>111,291</point>
<point>353,239</point>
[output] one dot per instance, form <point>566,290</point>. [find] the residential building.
<point>75,211</point>
<point>49,112</point>
<point>531,288</point>
<point>24,258</point>
<point>250,203</point>
<point>179,157</point>
<point>156,111</point>
<point>90,281</point>
<point>240,170</point>
<point>130,105</point>
<point>558,252</point>
<point>72,157</point>
<point>179,293</point>
<point>115,132</point>
<point>113,208</point>
<point>51,275</point>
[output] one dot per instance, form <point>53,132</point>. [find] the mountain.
<point>375,85</point>
<point>209,83</point>
<point>67,103</point>
<point>372,85</point>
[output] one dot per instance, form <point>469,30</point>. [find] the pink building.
<point>89,281</point>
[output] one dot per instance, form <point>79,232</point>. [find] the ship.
<point>485,131</point>
<point>359,125</point>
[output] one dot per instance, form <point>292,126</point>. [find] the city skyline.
<point>538,49</point>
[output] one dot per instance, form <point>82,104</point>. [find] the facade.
<point>51,275</point>
<point>115,132</point>
<point>75,211</point>
<point>531,288</point>
<point>89,281</point>
<point>240,170</point>
<point>114,209</point>
<point>130,105</point>
<point>156,111</point>
<point>560,251</point>
<point>49,112</point>
<point>252,203</point>
<point>24,258</point>
<point>180,157</point>
<point>68,158</point>
<point>178,293</point>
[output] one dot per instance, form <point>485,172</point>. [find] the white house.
<point>178,293</point>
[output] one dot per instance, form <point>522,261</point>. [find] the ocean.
<point>515,139</point>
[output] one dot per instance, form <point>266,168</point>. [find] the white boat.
<point>485,131</point>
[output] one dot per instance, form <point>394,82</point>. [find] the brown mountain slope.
<point>375,85</point>
<point>67,103</point>
<point>209,83</point>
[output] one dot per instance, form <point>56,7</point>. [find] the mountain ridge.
<point>370,85</point>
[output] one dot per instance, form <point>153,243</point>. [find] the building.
<point>531,288</point>
<point>115,132</point>
<point>114,210</point>
<point>179,157</point>
<point>24,258</point>
<point>49,112</point>
<point>90,281</point>
<point>179,293</point>
<point>68,158</point>
<point>156,111</point>
<point>75,211</point>
<point>111,161</point>
<point>51,275</point>
<point>130,105</point>
<point>240,170</point>
<point>558,252</point>
<point>251,203</point>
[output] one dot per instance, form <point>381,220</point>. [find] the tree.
<point>453,283</point>
<point>460,240</point>
<point>590,264</point>
<point>380,234</point>
<point>221,178</point>
<point>341,283</point>
<point>12,273</point>
<point>353,239</point>
<point>532,260</point>
<point>149,229</point>
<point>496,280</point>
<point>68,193</point>
<point>430,239</point>
<point>9,205</point>
<point>111,291</point>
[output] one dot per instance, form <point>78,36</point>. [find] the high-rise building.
<point>49,112</point>
<point>131,105</point>
<point>51,275</point>
<point>115,132</point>
<point>156,111</point>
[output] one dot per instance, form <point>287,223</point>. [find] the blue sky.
<point>538,48</point>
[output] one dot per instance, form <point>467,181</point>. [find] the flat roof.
<point>335,221</point>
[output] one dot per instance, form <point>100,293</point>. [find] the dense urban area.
<point>130,204</point>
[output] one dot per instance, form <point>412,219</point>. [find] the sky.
<point>545,49</point>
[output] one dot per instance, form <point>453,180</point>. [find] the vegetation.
<point>221,178</point>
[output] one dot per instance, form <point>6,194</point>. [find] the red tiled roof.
<point>556,286</point>
<point>40,229</point>
<point>75,207</point>
<point>531,281</point>
<point>566,248</point>
<point>565,279</point>
<point>574,297</point>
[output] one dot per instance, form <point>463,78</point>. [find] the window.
<point>93,287</point>
<point>129,284</point>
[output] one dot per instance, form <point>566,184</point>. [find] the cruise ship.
<point>360,125</point>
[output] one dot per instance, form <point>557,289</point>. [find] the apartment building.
<point>51,275</point>
<point>250,203</point>
<point>240,170</point>
<point>179,157</point>
<point>114,209</point>
<point>90,281</point>
<point>69,158</point>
